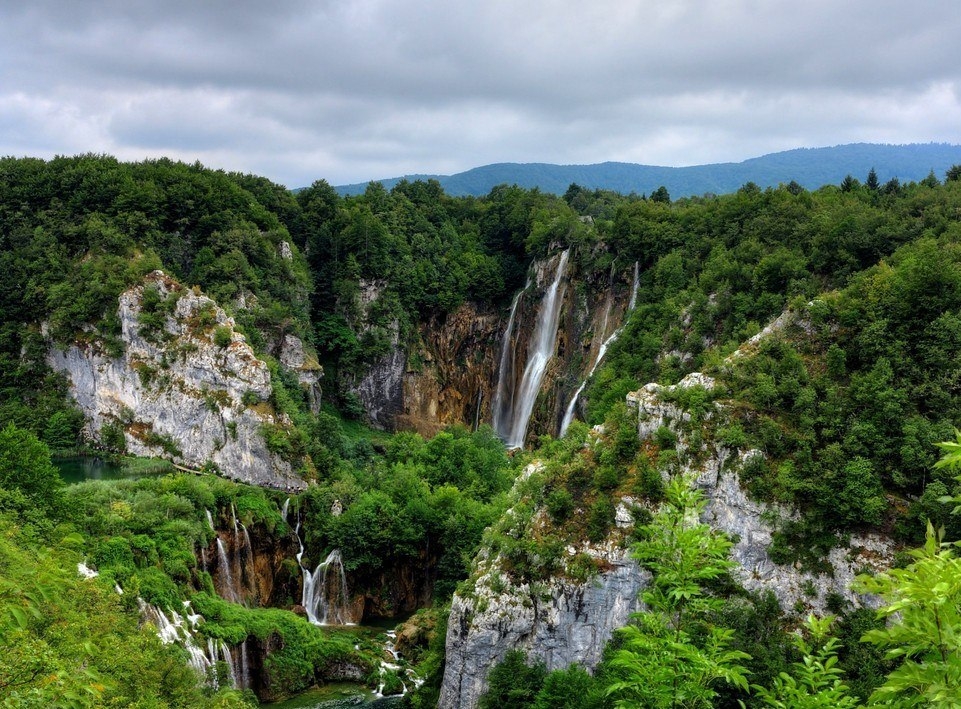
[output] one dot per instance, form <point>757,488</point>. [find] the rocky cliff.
<point>450,371</point>
<point>561,621</point>
<point>187,386</point>
<point>451,377</point>
<point>749,523</point>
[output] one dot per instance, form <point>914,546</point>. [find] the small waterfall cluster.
<point>172,627</point>
<point>408,678</point>
<point>235,579</point>
<point>602,350</point>
<point>325,597</point>
<point>513,405</point>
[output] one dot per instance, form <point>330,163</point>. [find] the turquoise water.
<point>336,696</point>
<point>77,470</point>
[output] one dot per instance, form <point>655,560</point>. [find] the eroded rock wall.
<point>560,622</point>
<point>176,393</point>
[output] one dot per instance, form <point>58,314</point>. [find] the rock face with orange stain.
<point>449,371</point>
<point>187,386</point>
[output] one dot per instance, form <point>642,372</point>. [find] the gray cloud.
<point>348,91</point>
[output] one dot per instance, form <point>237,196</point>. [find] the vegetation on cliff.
<point>844,396</point>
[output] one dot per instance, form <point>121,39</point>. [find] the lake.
<point>78,469</point>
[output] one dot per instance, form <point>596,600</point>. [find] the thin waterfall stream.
<point>324,595</point>
<point>602,350</point>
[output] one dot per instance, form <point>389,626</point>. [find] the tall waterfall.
<point>602,350</point>
<point>229,591</point>
<point>513,407</point>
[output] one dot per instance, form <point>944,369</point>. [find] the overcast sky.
<point>299,90</point>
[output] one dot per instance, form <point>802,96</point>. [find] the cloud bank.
<point>348,91</point>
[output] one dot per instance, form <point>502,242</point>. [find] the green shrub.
<point>560,504</point>
<point>600,518</point>
<point>223,335</point>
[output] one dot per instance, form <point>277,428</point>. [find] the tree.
<point>924,606</point>
<point>661,195</point>
<point>924,600</point>
<point>849,184</point>
<point>661,664</point>
<point>572,688</point>
<point>953,174</point>
<point>815,682</point>
<point>25,468</point>
<point>513,684</point>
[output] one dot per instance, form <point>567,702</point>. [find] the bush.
<point>560,504</point>
<point>223,335</point>
<point>600,518</point>
<point>513,684</point>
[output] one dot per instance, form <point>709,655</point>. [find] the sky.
<point>300,90</point>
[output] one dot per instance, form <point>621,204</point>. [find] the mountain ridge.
<point>809,167</point>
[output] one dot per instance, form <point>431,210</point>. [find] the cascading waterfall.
<point>513,414</point>
<point>407,677</point>
<point>325,591</point>
<point>571,407</point>
<point>569,412</point>
<point>181,629</point>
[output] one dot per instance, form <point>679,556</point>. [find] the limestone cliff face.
<point>379,387</point>
<point>293,355</point>
<point>177,393</point>
<point>746,521</point>
<point>562,622</point>
<point>559,621</point>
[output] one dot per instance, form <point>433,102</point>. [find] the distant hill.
<point>810,167</point>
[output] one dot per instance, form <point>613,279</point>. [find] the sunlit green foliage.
<point>815,681</point>
<point>669,656</point>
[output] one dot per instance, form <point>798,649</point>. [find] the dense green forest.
<point>847,400</point>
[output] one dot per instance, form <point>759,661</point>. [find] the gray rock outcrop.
<point>560,622</point>
<point>380,387</point>
<point>188,388</point>
<point>296,357</point>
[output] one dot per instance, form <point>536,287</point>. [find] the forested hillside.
<point>804,341</point>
